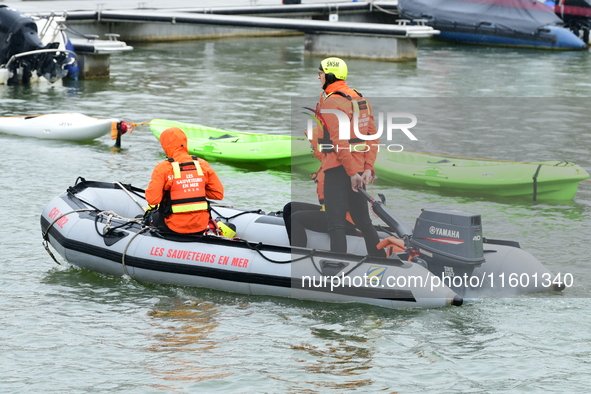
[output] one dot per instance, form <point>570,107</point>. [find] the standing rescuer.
<point>347,163</point>
<point>180,186</point>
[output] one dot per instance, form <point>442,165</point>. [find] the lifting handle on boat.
<point>401,229</point>
<point>129,194</point>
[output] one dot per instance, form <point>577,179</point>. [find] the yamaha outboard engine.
<point>450,241</point>
<point>18,34</point>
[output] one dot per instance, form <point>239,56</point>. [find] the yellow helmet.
<point>334,66</point>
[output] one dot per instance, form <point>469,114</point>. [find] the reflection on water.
<point>187,327</point>
<point>339,354</point>
<point>196,321</point>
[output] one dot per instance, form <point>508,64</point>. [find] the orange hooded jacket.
<point>353,161</point>
<point>174,143</point>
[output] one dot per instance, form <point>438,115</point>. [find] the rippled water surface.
<point>66,330</point>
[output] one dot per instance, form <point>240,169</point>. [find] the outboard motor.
<point>576,15</point>
<point>450,241</point>
<point>18,34</point>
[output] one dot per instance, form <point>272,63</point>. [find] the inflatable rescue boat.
<point>100,226</point>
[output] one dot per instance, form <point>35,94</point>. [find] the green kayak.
<point>240,148</point>
<point>547,180</point>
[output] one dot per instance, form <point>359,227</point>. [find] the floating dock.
<point>369,30</point>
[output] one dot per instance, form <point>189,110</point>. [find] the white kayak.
<point>63,126</point>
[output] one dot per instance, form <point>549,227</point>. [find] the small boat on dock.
<point>101,226</point>
<point>37,48</point>
<point>26,56</point>
<point>63,126</point>
<point>545,180</point>
<point>241,148</point>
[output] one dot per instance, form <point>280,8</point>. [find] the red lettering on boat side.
<point>157,251</point>
<point>62,221</point>
<point>54,213</point>
<point>186,255</point>
<point>201,257</point>
<point>238,262</point>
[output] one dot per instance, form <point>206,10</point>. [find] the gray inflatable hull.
<point>259,260</point>
<point>264,265</point>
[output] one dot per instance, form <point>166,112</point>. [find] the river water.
<point>66,330</point>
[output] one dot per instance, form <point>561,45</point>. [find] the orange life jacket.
<point>359,104</point>
<point>187,193</point>
<point>353,153</point>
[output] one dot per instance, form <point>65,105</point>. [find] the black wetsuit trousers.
<point>340,198</point>
<point>299,216</point>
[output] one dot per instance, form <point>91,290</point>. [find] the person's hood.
<point>174,142</point>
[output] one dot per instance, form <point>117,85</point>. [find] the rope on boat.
<point>235,216</point>
<point>127,246</point>
<point>309,255</point>
<point>45,242</point>
<point>256,249</point>
<point>110,215</point>
<point>108,228</point>
<point>129,194</point>
<point>357,265</point>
